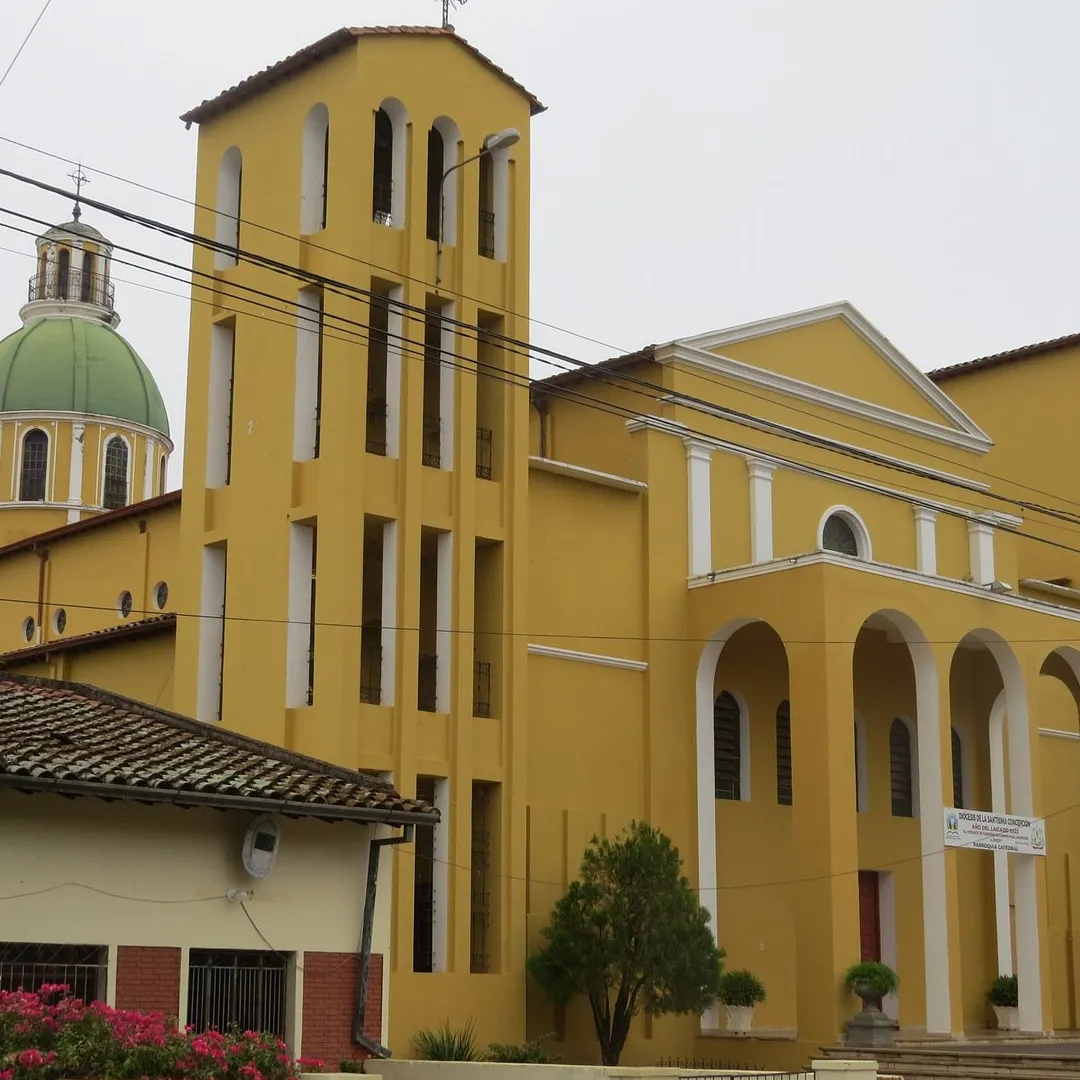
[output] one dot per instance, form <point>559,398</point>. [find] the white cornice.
<point>587,658</point>
<point>697,351</point>
<point>592,476</point>
<point>91,418</point>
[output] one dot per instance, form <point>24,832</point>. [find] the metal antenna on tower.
<point>446,5</point>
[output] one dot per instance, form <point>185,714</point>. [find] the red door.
<point>869,916</point>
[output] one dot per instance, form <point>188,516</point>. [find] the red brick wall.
<point>148,979</point>
<point>331,981</point>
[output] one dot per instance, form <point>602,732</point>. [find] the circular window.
<point>29,628</point>
<point>60,621</point>
<point>839,536</point>
<point>161,595</point>
<point>124,606</point>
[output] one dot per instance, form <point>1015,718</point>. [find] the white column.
<point>447,370</point>
<point>149,468</point>
<point>443,612</point>
<point>301,545</point>
<point>981,551</point>
<point>211,633</point>
<point>1002,900</point>
<point>925,540</point>
<point>78,436</point>
<point>699,504</point>
<point>389,611</point>
<point>394,325</point>
<point>761,526</point>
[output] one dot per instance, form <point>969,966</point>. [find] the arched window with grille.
<point>900,772</point>
<point>64,267</point>
<point>727,747</point>
<point>783,754</point>
<point>389,165</point>
<point>34,474</point>
<point>162,474</point>
<point>957,770</point>
<point>842,531</point>
<point>486,235</point>
<point>116,474</point>
<point>86,287</point>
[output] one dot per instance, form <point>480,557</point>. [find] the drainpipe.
<point>540,403</point>
<point>373,1046</point>
<point>43,559</point>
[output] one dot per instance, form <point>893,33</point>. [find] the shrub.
<point>740,988</point>
<point>528,1053</point>
<point>446,1043</point>
<point>350,1065</point>
<point>1003,992</point>
<point>46,1034</point>
<point>871,981</point>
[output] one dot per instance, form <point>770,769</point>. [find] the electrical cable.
<point>25,41</point>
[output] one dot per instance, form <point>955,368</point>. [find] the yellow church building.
<point>770,588</point>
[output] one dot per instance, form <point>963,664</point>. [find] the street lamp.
<point>501,140</point>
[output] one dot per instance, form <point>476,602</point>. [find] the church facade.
<point>772,588</point>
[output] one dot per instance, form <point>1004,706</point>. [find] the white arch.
<point>451,138</point>
<point>858,527</point>
<point>314,169</point>
<point>227,222</point>
<point>399,120</point>
<point>862,781</point>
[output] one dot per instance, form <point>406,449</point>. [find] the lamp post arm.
<point>442,209</point>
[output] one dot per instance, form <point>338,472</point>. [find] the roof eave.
<point>189,799</point>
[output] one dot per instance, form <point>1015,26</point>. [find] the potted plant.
<point>871,982</point>
<point>739,992</point>
<point>1003,997</point>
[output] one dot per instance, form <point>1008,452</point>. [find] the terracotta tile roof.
<point>152,624</point>
<point>327,46</point>
<point>998,359</point>
<point>604,368</point>
<point>78,740</point>
<point>40,540</point>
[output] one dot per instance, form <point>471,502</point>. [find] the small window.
<point>382,192</point>
<point>162,474</point>
<point>60,621</point>
<point>123,605</point>
<point>957,771</point>
<point>35,466</point>
<point>244,990</point>
<point>116,474</point>
<point>783,754</point>
<point>161,595</point>
<point>840,537</point>
<point>29,628</point>
<point>86,288</point>
<point>900,770</point>
<point>64,262</point>
<point>486,236</point>
<point>435,167</point>
<point>26,966</point>
<point>727,747</point>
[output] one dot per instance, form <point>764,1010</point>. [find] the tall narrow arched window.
<point>727,747</point>
<point>42,275</point>
<point>63,273</point>
<point>86,290</point>
<point>35,466</point>
<point>116,474</point>
<point>382,188</point>
<point>486,237</point>
<point>902,781</point>
<point>162,473</point>
<point>957,771</point>
<point>436,157</point>
<point>784,790</point>
<point>229,199</point>
<point>862,793</point>
<point>314,169</point>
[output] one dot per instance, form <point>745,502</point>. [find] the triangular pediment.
<point>834,358</point>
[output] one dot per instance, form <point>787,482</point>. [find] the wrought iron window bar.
<point>426,692</point>
<point>483,453</point>
<point>486,241</point>
<point>246,990</point>
<point>376,427</point>
<point>73,285</point>
<point>481,688</point>
<point>28,966</point>
<point>432,448</point>
<point>371,667</point>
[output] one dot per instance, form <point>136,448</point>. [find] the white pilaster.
<point>699,506</point>
<point>212,633</point>
<point>78,436</point>
<point>394,330</point>
<point>981,551</point>
<point>761,524</point>
<point>925,540</point>
<point>298,637</point>
<point>149,467</point>
<point>1002,899</point>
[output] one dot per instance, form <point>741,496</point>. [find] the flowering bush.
<point>47,1036</point>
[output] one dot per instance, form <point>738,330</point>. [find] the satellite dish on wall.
<point>260,846</point>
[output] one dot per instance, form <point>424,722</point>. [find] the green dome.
<point>77,365</point>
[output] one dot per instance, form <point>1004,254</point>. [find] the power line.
<point>25,40</point>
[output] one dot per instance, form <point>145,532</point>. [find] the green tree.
<point>631,935</point>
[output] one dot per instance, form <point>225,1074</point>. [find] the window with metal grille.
<point>957,771</point>
<point>424,884</point>
<point>486,235</point>
<point>65,265</point>
<point>245,990</point>
<point>482,936</point>
<point>371,662</point>
<point>900,770</point>
<point>483,453</point>
<point>839,536</point>
<point>86,285</point>
<point>435,159</point>
<point>382,203</point>
<point>35,466</point>
<point>116,474</point>
<point>727,747</point>
<point>81,968</point>
<point>783,754</point>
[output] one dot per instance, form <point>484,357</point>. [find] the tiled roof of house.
<point>1040,348</point>
<point>110,517</point>
<point>602,370</point>
<point>77,740</point>
<point>327,46</point>
<point>165,622</point>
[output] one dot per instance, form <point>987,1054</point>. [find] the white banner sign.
<point>985,831</point>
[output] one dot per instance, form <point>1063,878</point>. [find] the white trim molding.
<point>925,539</point>
<point>761,509</point>
<point>587,658</point>
<point>699,505</point>
<point>36,415</point>
<point>961,431</point>
<point>981,551</point>
<point>580,472</point>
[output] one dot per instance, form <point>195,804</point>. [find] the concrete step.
<point>959,1064</point>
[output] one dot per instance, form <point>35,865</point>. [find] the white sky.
<point>702,163</point>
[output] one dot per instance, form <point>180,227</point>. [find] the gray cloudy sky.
<point>703,162</point>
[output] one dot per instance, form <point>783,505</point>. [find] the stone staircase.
<point>922,1062</point>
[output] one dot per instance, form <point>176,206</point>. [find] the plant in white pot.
<point>1003,997</point>
<point>739,992</point>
